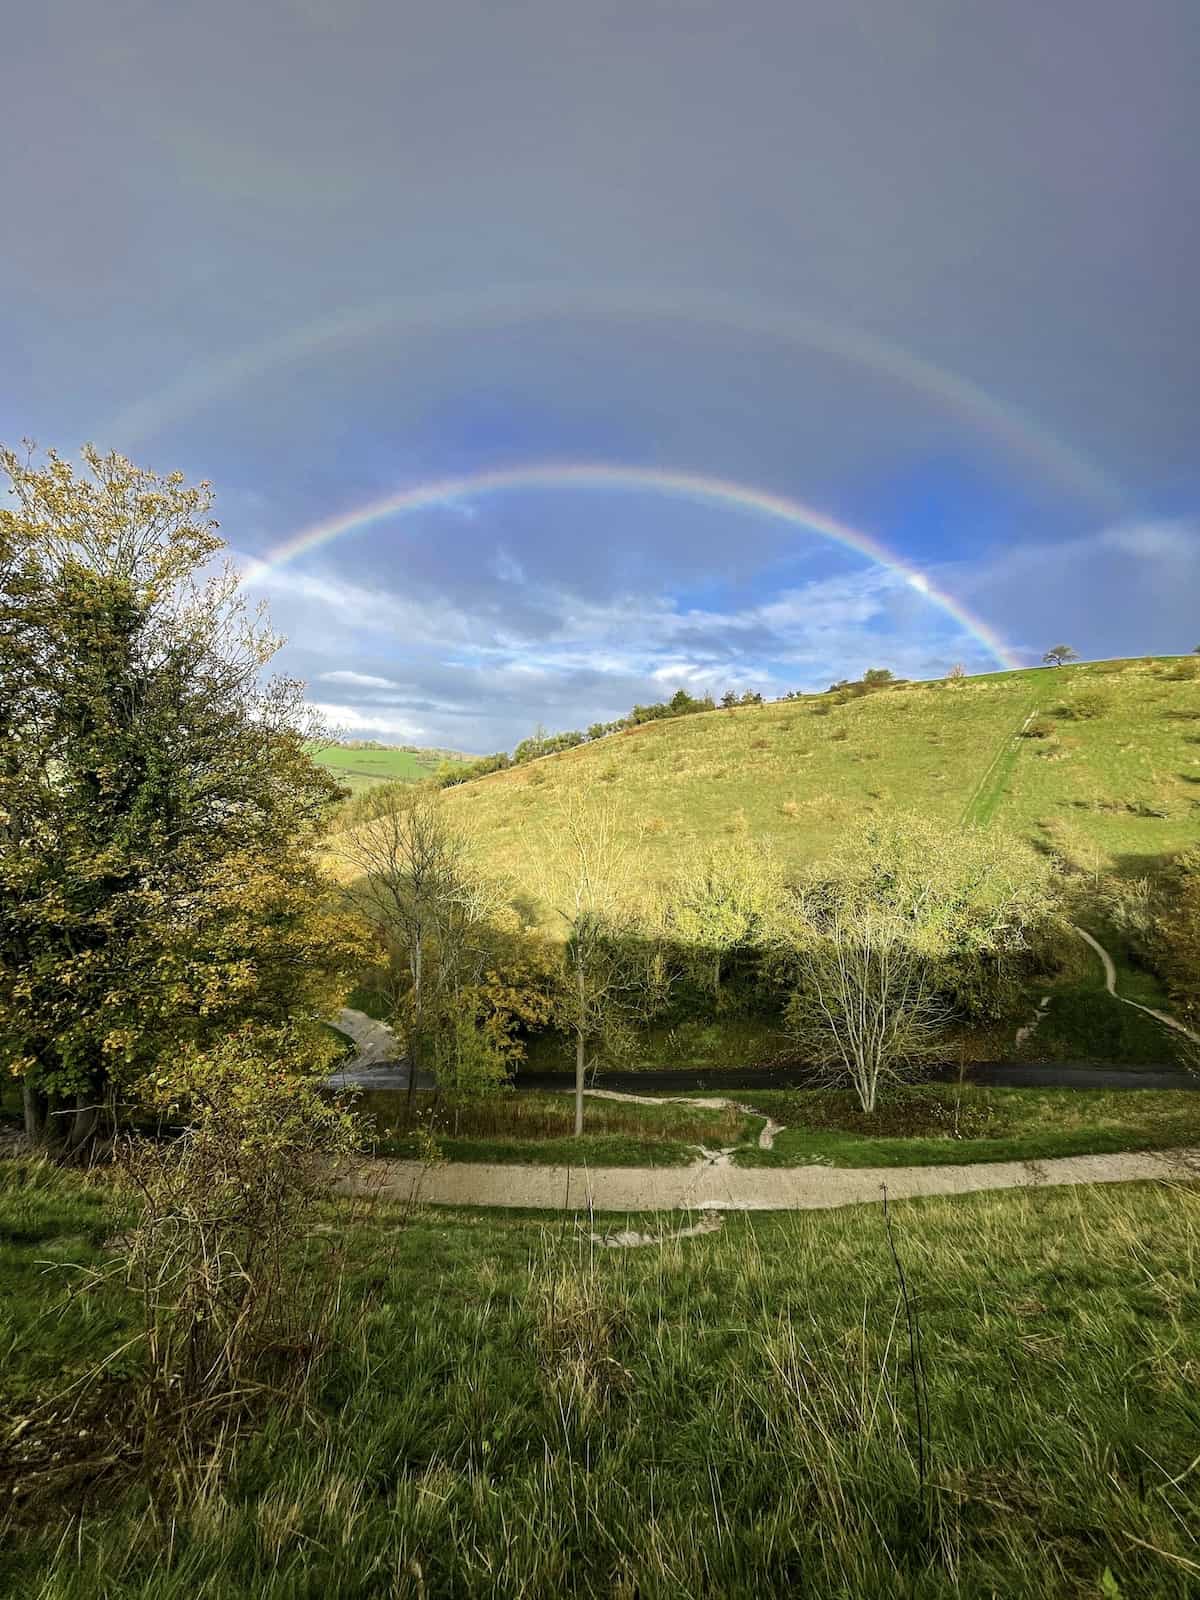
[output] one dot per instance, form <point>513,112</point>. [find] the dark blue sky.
<point>929,268</point>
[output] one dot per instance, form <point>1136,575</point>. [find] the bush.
<point>221,1211</point>
<point>1083,707</point>
<point>1038,728</point>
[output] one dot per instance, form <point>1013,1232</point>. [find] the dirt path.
<point>1110,983</point>
<point>710,1102</point>
<point>987,792</point>
<point>709,1186</point>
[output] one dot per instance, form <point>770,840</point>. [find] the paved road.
<point>714,1080</point>
<point>379,1063</point>
<point>719,1186</point>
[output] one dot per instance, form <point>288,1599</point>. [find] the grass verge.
<point>947,1124</point>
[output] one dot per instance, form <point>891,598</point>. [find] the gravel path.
<point>720,1186</point>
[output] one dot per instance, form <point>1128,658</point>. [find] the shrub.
<point>221,1211</point>
<point>1038,728</point>
<point>1083,707</point>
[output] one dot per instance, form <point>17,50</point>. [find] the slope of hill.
<point>360,766</point>
<point>1101,759</point>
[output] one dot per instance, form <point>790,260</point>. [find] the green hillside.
<point>359,767</point>
<point>1100,759</point>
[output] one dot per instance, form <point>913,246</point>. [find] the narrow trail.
<point>709,1102</point>
<point>706,1187</point>
<point>986,795</point>
<point>1110,983</point>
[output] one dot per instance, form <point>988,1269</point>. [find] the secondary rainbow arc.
<point>609,477</point>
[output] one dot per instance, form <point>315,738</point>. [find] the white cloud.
<point>353,719</point>
<point>358,680</point>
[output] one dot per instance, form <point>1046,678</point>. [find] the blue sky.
<point>929,269</point>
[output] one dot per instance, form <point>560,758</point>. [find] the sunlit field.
<point>1114,778</point>
<point>359,769</point>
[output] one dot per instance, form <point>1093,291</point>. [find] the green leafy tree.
<point>721,902</point>
<point>410,873</point>
<point>1059,654</point>
<point>159,812</point>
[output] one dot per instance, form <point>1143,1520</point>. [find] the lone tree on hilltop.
<point>1058,654</point>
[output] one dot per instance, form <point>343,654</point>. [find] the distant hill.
<point>1101,759</point>
<point>360,763</point>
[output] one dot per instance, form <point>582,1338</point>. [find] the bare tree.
<point>905,927</point>
<point>609,975</point>
<point>866,1008</point>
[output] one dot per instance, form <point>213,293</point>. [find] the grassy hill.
<point>1101,759</point>
<point>359,767</point>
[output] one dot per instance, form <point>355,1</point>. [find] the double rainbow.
<point>606,477</point>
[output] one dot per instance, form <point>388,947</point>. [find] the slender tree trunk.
<point>579,1067</point>
<point>580,1042</point>
<point>33,1103</point>
<point>717,981</point>
<point>416,1039</point>
<point>84,1123</point>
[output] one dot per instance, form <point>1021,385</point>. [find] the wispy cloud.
<point>358,680</point>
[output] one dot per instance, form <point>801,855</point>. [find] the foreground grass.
<point>509,1412</point>
<point>948,1124</point>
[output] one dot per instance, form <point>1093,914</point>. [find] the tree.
<point>1059,654</point>
<point>721,902</point>
<point>905,929</point>
<point>159,811</point>
<point>415,883</point>
<point>957,672</point>
<point>728,700</point>
<point>608,977</point>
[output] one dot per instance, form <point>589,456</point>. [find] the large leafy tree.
<point>158,808</point>
<point>720,904</point>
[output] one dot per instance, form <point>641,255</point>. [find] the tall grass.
<point>513,1411</point>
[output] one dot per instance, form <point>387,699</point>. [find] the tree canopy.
<point>158,806</point>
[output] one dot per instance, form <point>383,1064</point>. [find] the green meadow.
<point>360,769</point>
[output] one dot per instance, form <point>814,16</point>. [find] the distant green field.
<point>1111,772</point>
<point>359,769</point>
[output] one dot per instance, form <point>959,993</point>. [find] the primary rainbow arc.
<point>655,480</point>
